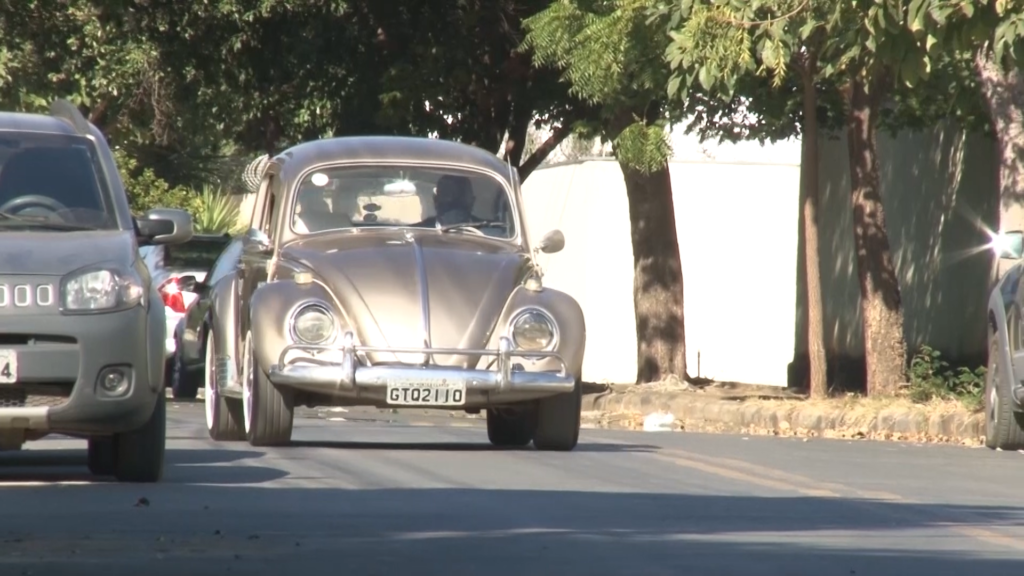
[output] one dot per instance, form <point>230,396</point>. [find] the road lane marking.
<point>744,477</point>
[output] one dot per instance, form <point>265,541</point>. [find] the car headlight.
<point>533,330</point>
<point>100,290</point>
<point>312,324</point>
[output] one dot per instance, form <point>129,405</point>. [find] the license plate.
<point>432,394</point>
<point>8,366</point>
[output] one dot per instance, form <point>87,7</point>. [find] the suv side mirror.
<point>552,242</point>
<point>1009,245</point>
<point>163,226</point>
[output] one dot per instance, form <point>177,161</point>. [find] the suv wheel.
<point>139,454</point>
<point>101,456</point>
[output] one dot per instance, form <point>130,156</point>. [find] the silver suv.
<point>82,327</point>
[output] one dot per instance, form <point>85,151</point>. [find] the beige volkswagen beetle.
<point>392,272</point>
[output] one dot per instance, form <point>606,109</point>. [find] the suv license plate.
<point>8,366</point>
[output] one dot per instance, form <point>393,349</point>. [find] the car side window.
<point>272,208</point>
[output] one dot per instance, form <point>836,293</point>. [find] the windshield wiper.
<point>477,224</point>
<point>12,220</point>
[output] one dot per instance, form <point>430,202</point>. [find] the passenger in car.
<point>453,202</point>
<point>314,214</point>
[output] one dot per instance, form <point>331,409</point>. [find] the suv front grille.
<point>34,395</point>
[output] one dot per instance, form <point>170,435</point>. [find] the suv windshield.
<point>442,198</point>
<point>53,181</point>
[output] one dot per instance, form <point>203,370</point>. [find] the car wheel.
<point>558,420</point>
<point>1004,427</point>
<point>511,428</point>
<point>101,456</point>
<point>223,415</point>
<point>184,385</point>
<point>139,454</point>
<point>268,411</point>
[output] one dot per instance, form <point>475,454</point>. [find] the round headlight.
<point>533,330</point>
<point>313,325</point>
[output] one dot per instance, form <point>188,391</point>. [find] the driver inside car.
<point>453,202</point>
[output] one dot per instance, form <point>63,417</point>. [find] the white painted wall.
<point>733,214</point>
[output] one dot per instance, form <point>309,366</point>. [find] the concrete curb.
<point>697,412</point>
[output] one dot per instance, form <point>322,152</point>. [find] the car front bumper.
<point>58,369</point>
<point>342,374</point>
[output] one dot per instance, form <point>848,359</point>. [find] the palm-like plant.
<point>215,213</point>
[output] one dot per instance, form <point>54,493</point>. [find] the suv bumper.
<point>57,388</point>
<point>344,376</point>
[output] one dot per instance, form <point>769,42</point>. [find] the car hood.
<point>386,281</point>
<point>57,253</point>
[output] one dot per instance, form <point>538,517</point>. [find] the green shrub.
<point>931,378</point>
<point>146,190</point>
<point>215,213</point>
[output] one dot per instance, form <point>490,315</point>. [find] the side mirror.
<point>187,283</point>
<point>552,242</point>
<point>163,226</point>
<point>256,242</point>
<point>1009,245</point>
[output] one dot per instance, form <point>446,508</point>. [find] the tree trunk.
<point>809,182</point>
<point>885,349</point>
<point>658,276</point>
<point>1003,91</point>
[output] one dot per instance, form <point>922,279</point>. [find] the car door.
<point>196,316</point>
<point>258,249</point>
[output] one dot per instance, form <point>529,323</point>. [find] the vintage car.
<point>1004,379</point>
<point>391,272</point>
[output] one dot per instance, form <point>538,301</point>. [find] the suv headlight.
<point>533,330</point>
<point>312,324</point>
<point>100,289</point>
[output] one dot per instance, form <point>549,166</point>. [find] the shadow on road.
<point>206,466</point>
<point>505,532</point>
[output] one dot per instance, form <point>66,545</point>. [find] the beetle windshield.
<point>442,198</point>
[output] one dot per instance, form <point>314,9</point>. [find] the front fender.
<point>568,316</point>
<point>222,318</point>
<point>156,332</point>
<point>269,309</point>
<point>998,304</point>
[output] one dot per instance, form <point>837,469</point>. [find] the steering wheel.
<point>31,201</point>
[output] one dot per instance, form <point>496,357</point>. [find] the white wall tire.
<point>269,412</point>
<point>223,415</point>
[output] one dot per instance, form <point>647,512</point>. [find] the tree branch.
<point>537,157</point>
<point>770,21</point>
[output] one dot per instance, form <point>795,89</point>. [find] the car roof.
<point>24,122</point>
<point>299,158</point>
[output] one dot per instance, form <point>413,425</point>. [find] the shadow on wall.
<point>940,193</point>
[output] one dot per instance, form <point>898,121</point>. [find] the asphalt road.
<point>430,496</point>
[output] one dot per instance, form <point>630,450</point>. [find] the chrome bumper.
<point>348,374</point>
